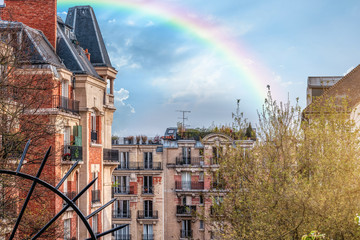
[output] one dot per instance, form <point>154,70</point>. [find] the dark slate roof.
<point>40,49</point>
<point>85,26</point>
<point>72,55</point>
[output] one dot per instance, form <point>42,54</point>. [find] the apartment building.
<point>74,57</point>
<point>183,175</point>
<point>138,186</point>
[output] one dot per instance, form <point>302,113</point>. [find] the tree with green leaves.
<point>302,175</point>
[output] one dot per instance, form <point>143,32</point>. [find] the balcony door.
<point>64,94</point>
<point>148,233</point>
<point>148,209</point>
<point>122,184</point>
<point>186,153</point>
<point>148,160</point>
<point>124,160</point>
<point>186,180</point>
<point>122,234</point>
<point>185,228</point>
<point>148,184</point>
<point>122,208</point>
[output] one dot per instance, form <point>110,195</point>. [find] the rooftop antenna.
<point>183,118</point>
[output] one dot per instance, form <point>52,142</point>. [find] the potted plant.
<point>143,139</point>
<point>67,157</point>
<point>138,139</point>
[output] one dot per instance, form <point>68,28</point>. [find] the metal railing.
<point>110,155</point>
<point>121,214</point>
<point>65,103</point>
<point>185,210</point>
<point>148,190</point>
<point>189,185</point>
<point>148,237</point>
<point>75,153</point>
<point>140,166</point>
<point>94,136</point>
<point>147,214</point>
<point>95,196</point>
<point>118,236</point>
<point>190,161</point>
<point>185,233</point>
<point>123,190</point>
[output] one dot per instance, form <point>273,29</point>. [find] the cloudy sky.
<point>202,55</point>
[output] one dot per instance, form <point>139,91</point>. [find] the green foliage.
<point>303,173</point>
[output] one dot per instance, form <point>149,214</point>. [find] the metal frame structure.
<point>69,202</point>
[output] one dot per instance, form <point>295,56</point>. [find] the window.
<point>148,233</point>
<point>67,225</point>
<point>122,234</point>
<point>148,160</point>
<point>186,155</point>
<point>201,176</point>
<point>95,223</point>
<point>124,160</point>
<point>122,209</point>
<point>148,209</point>
<point>201,225</point>
<point>186,228</point>
<point>217,151</point>
<point>94,131</point>
<point>148,185</point>
<point>201,199</point>
<point>122,184</point>
<point>95,193</point>
<point>186,180</point>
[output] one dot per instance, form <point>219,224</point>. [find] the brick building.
<point>181,173</point>
<point>75,59</point>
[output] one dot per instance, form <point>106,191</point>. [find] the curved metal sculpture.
<point>69,202</point>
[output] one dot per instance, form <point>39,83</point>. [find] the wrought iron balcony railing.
<point>74,151</point>
<point>118,236</point>
<point>95,196</point>
<point>110,155</point>
<point>189,185</point>
<point>147,214</point>
<point>94,136</point>
<point>185,210</point>
<point>148,190</point>
<point>123,190</point>
<point>197,161</point>
<point>140,166</point>
<point>65,103</point>
<point>121,214</point>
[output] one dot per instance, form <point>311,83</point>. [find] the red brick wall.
<point>38,14</point>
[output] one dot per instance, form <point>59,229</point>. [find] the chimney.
<point>38,14</point>
<point>87,54</point>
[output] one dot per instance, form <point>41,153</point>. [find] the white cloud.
<point>64,12</point>
<point>149,24</point>
<point>128,42</point>
<point>130,23</point>
<point>112,20</point>
<point>181,50</point>
<point>121,96</point>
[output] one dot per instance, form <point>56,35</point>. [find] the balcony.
<point>189,185</point>
<point>121,214</point>
<point>185,233</point>
<point>94,136</point>
<point>70,195</point>
<point>147,214</point>
<point>65,104</point>
<point>123,190</point>
<point>118,236</point>
<point>95,196</point>
<point>218,185</point>
<point>72,153</point>
<point>148,190</point>
<point>140,166</point>
<point>185,210</point>
<point>110,155</point>
<point>148,237</point>
<point>214,160</point>
<point>194,161</point>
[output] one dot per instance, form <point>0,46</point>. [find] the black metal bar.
<point>101,208</point>
<point>23,156</point>
<point>57,192</point>
<point>43,229</point>
<point>109,231</point>
<point>29,194</point>
<point>67,174</point>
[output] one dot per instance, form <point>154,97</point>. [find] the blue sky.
<point>163,69</point>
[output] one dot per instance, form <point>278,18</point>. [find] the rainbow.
<point>250,70</point>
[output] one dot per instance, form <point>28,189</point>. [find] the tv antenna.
<point>183,117</point>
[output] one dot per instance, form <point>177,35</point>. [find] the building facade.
<point>81,104</point>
